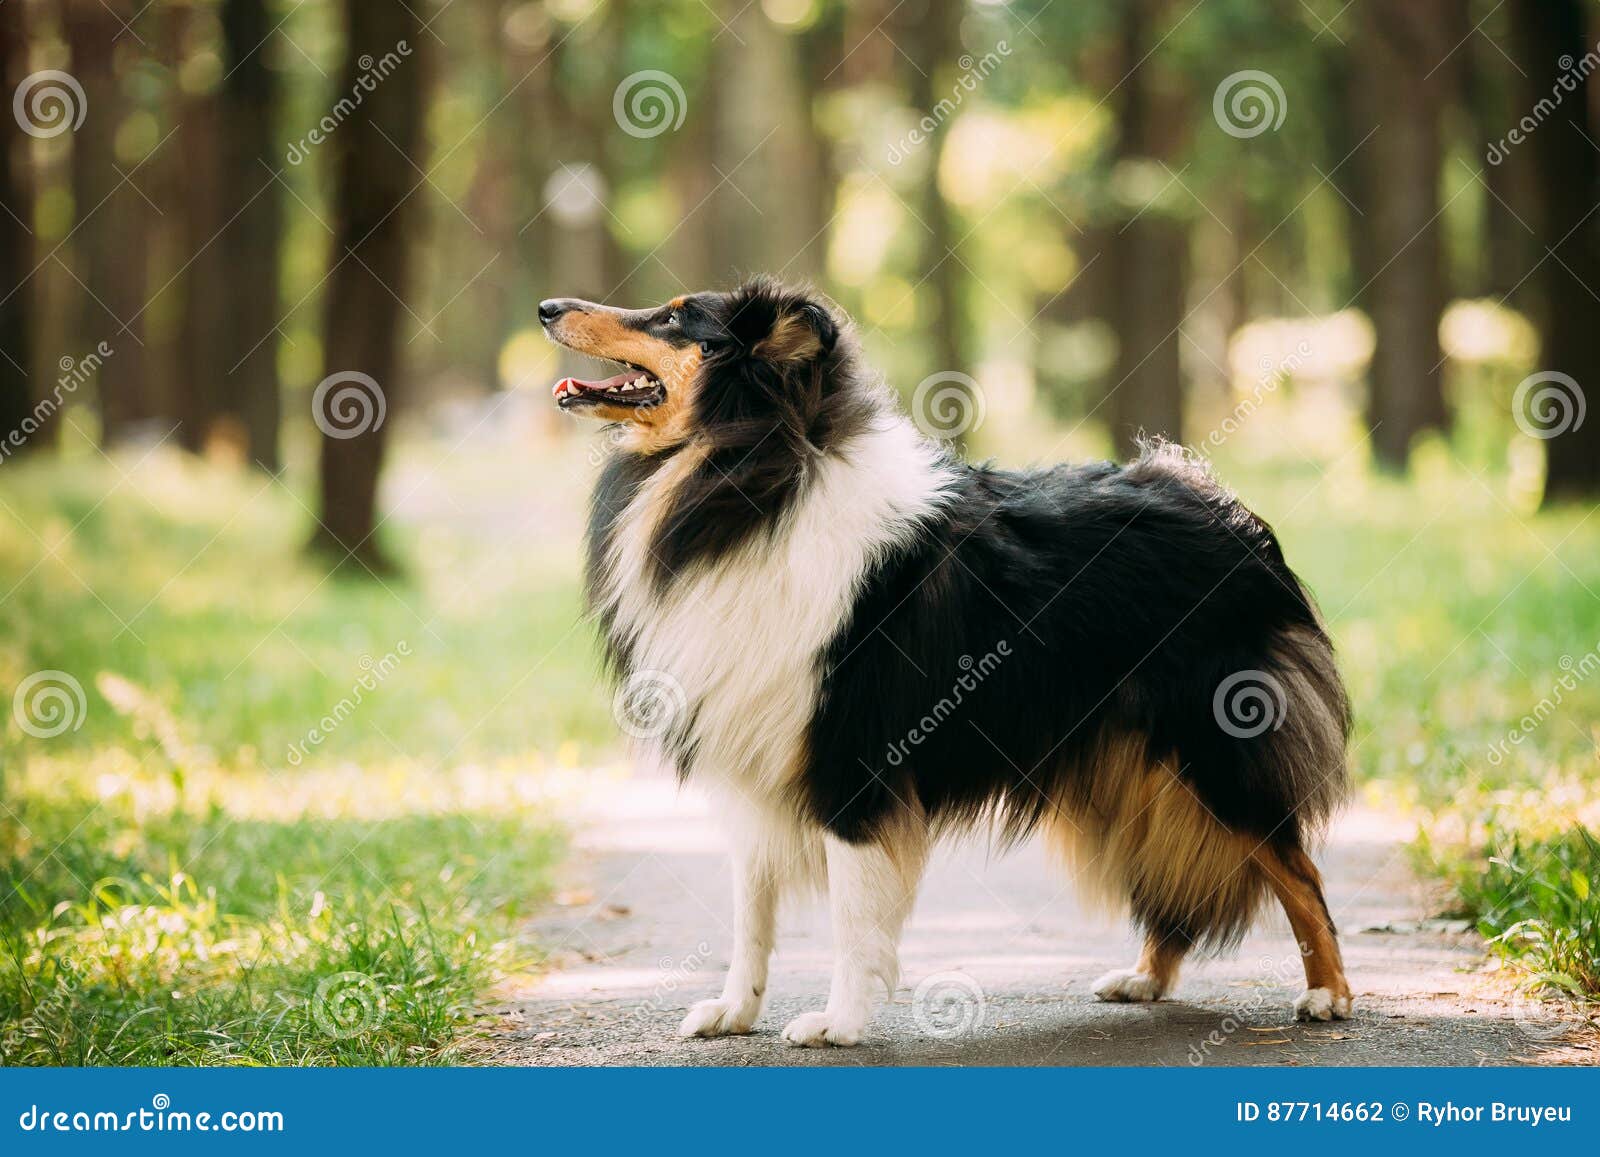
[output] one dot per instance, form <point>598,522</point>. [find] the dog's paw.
<point>816,1030</point>
<point>718,1018</point>
<point>1128,984</point>
<point>1321,1004</point>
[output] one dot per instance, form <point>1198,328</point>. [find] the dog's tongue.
<point>573,385</point>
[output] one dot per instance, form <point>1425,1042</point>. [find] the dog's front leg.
<point>755,924</point>
<point>871,887</point>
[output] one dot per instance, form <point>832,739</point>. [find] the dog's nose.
<point>550,309</point>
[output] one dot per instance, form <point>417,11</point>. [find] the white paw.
<point>718,1018</point>
<point>1127,984</point>
<point>815,1030</point>
<point>1321,1004</point>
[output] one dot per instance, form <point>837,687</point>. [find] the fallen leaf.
<point>1250,1044</point>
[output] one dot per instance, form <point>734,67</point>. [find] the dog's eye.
<point>672,318</point>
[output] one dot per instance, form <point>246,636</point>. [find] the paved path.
<point>644,932</point>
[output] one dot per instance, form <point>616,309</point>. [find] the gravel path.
<point>1006,956</point>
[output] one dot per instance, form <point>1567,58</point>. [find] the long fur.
<point>870,633</point>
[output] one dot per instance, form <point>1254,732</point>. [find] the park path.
<point>642,930</point>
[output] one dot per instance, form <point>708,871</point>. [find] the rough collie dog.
<point>870,643</point>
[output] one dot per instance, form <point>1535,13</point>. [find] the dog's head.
<point>743,361</point>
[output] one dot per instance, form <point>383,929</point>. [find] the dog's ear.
<point>802,331</point>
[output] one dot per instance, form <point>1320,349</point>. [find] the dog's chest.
<point>731,647</point>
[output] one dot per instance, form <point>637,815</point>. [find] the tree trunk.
<point>932,36</point>
<point>110,236</point>
<point>1400,44</point>
<point>1568,168</point>
<point>253,238</point>
<point>1149,256</point>
<point>16,251</point>
<point>372,211</point>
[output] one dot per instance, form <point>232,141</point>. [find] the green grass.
<point>186,876</point>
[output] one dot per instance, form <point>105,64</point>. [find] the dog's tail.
<point>1187,835</point>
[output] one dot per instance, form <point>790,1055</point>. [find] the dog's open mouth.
<point>635,386</point>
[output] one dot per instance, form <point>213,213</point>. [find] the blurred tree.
<point>111,235</point>
<point>252,200</point>
<point>16,241</point>
<point>1149,253</point>
<point>1406,77</point>
<point>373,151</point>
<point>932,42</point>
<point>1550,36</point>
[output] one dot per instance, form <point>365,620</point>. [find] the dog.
<point>864,643</point>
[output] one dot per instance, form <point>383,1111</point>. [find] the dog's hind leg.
<point>756,884</point>
<point>1295,881</point>
<point>1151,978</point>
<point>871,887</point>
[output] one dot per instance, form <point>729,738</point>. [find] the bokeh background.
<point>289,620</point>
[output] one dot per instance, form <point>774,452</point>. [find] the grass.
<point>296,818</point>
<point>288,818</point>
